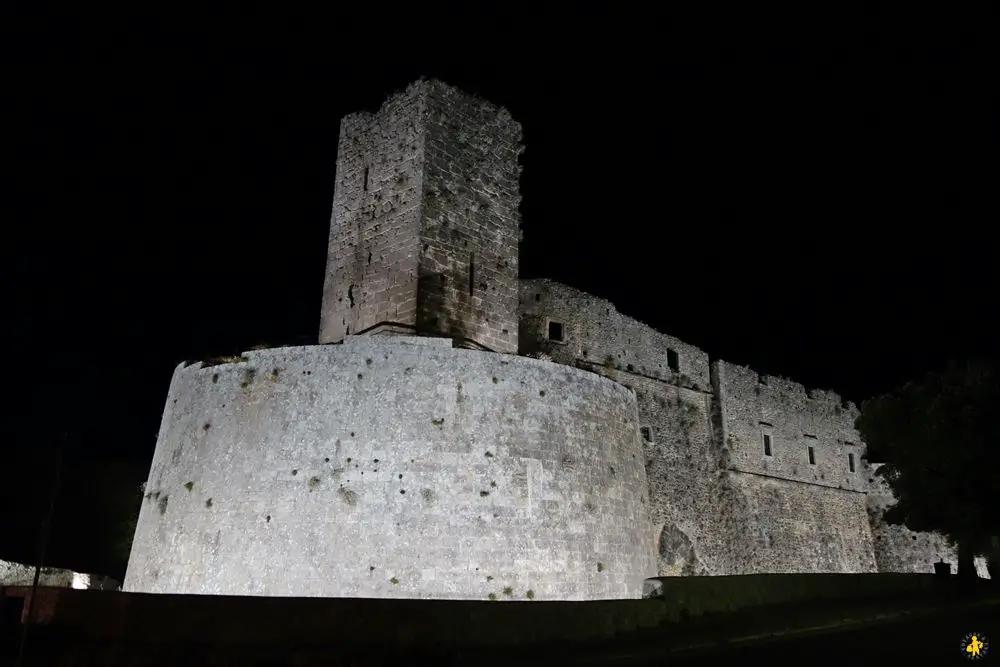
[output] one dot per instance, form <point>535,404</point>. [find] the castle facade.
<point>462,433</point>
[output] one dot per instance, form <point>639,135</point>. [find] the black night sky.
<point>804,194</point>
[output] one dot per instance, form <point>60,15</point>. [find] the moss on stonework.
<point>188,485</point>
<point>348,496</point>
<point>219,361</point>
<point>248,378</point>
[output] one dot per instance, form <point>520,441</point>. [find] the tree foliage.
<point>938,438</point>
<point>95,516</point>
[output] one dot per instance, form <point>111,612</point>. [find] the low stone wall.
<point>144,619</point>
<point>696,596</point>
<point>18,574</point>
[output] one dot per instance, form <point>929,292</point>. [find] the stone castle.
<point>462,433</point>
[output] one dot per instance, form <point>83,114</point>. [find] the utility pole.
<point>43,539</point>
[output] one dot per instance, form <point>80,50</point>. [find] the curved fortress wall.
<point>672,381</point>
<point>395,467</point>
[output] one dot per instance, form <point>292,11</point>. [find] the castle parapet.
<point>776,427</point>
<point>575,328</point>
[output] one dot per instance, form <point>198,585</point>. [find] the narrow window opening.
<point>812,456</point>
<point>673,361</point>
<point>767,444</point>
<point>538,297</point>
<point>850,462</point>
<point>556,331</point>
<point>647,433</point>
<point>472,273</point>
<point>365,186</point>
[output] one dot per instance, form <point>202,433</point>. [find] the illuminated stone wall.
<point>19,574</point>
<point>395,467</point>
<point>425,225</point>
<point>720,504</point>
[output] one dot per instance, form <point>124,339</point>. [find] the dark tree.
<point>95,516</point>
<point>938,438</point>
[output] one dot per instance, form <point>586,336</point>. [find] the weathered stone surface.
<point>425,227</point>
<point>18,574</point>
<point>718,503</point>
<point>594,332</point>
<point>395,467</point>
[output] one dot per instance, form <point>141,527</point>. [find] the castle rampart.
<point>775,427</point>
<point>395,467</point>
<point>571,326</point>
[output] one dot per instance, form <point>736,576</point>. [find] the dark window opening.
<point>538,297</point>
<point>767,444</point>
<point>812,456</point>
<point>365,186</point>
<point>556,331</point>
<point>850,462</point>
<point>647,433</point>
<point>472,273</point>
<point>673,361</point>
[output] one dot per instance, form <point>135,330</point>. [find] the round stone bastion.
<point>395,467</point>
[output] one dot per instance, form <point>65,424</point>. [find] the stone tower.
<point>425,225</point>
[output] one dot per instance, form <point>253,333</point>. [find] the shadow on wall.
<point>434,317</point>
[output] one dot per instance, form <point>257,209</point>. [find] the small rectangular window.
<point>647,433</point>
<point>767,444</point>
<point>472,272</point>
<point>556,331</point>
<point>365,186</point>
<point>673,361</point>
<point>850,462</point>
<point>812,456</point>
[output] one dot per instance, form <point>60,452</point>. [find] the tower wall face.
<point>395,467</point>
<point>425,226</point>
<point>471,224</point>
<point>371,269</point>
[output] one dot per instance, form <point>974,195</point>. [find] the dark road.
<point>934,640</point>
